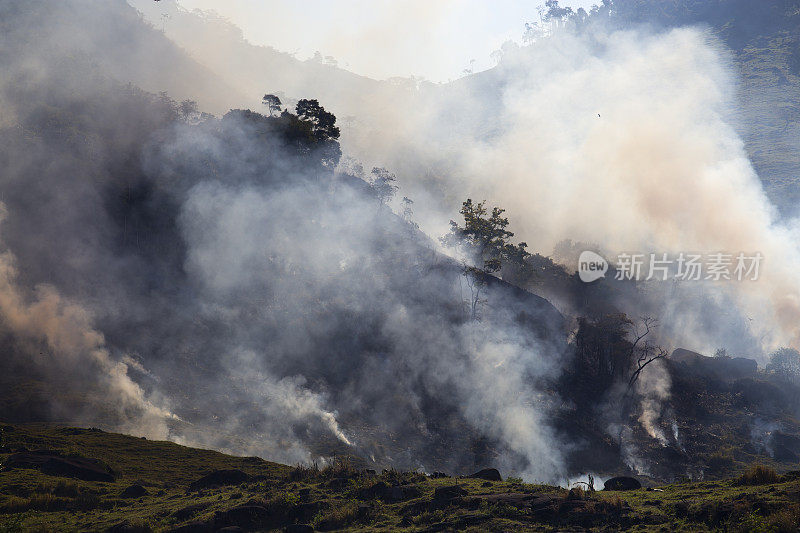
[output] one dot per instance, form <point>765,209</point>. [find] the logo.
<point>591,266</point>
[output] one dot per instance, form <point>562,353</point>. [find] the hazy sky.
<point>435,39</point>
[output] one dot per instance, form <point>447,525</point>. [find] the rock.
<point>134,491</point>
<point>304,512</point>
<point>376,491</point>
<point>298,528</point>
<point>437,475</point>
<point>489,474</point>
<point>575,494</point>
<point>219,478</point>
<point>248,517</point>
<point>448,493</point>
<point>54,464</point>
<point>370,472</point>
<point>622,483</point>
<point>514,499</point>
<point>785,455</point>
<point>404,492</point>
<point>337,483</point>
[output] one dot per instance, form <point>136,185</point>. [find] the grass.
<point>337,495</point>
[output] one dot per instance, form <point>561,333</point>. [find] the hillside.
<point>161,486</point>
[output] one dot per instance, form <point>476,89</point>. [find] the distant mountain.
<point>112,36</point>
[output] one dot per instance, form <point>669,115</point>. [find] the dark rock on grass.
<point>247,517</point>
<point>404,492</point>
<point>134,491</point>
<point>622,483</point>
<point>437,475</point>
<point>785,455</point>
<point>305,511</point>
<point>382,491</point>
<point>448,493</point>
<point>337,483</point>
<point>489,474</point>
<point>54,464</point>
<point>219,478</point>
<point>363,511</point>
<point>298,528</point>
<point>377,491</point>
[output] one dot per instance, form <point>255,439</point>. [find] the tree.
<point>610,350</point>
<point>382,183</point>
<point>484,240</point>
<point>324,131</point>
<point>187,110</point>
<point>785,364</point>
<point>323,123</point>
<point>272,102</point>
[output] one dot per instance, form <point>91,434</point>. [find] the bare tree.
<point>643,352</point>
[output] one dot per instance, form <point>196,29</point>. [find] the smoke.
<point>247,305</point>
<point>654,389</point>
<point>621,138</point>
<point>72,348</point>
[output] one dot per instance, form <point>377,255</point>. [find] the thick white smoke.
<point>625,139</point>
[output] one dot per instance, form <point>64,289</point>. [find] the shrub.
<point>282,502</point>
<point>721,461</point>
<point>339,517</point>
<point>785,521</point>
<point>303,472</point>
<point>758,475</point>
<point>341,467</point>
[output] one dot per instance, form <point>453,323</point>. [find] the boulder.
<point>55,464</point>
<point>134,491</point>
<point>219,478</point>
<point>404,492</point>
<point>249,517</point>
<point>489,474</point>
<point>377,491</point>
<point>448,493</point>
<point>622,483</point>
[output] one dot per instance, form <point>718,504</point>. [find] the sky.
<point>433,39</point>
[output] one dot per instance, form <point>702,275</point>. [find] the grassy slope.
<point>30,500</point>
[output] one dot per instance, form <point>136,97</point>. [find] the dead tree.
<point>642,351</point>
